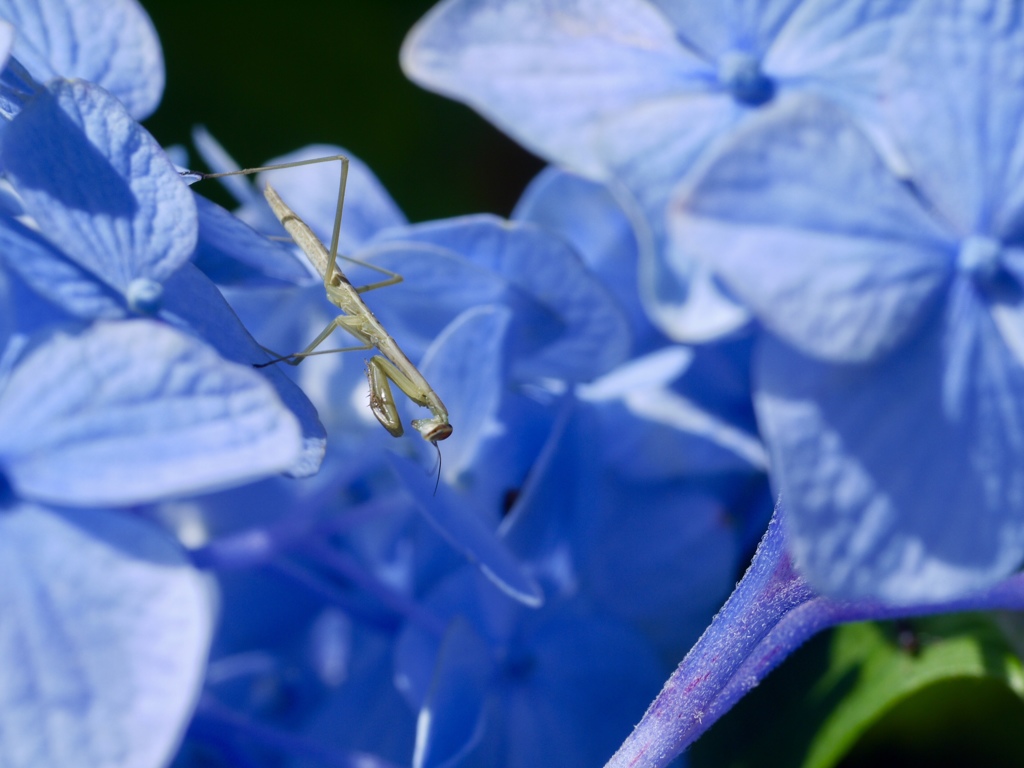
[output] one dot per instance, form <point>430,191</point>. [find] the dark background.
<point>269,77</point>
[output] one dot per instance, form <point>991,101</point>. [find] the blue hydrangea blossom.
<point>889,380</point>
<point>638,91</point>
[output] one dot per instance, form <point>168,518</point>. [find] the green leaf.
<point>891,663</point>
<point>890,680</point>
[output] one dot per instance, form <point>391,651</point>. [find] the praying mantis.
<point>391,366</point>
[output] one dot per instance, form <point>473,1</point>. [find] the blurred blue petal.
<point>312,191</point>
<point>582,334</point>
<point>660,433</point>
<point>467,364</point>
<point>130,412</point>
<point>556,686</point>
<point>914,497</point>
<point>588,215</point>
<point>100,186</point>
<point>615,90</point>
<point>438,284</point>
<point>104,631</point>
<point>550,73</point>
<point>955,101</point>
<point>467,533</point>
<point>230,252</point>
<point>451,722</point>
<point>112,44</point>
<point>219,160</point>
<point>652,545</point>
<point>839,281</point>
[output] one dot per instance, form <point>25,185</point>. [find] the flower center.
<point>144,295</point>
<point>980,257</point>
<point>741,75</point>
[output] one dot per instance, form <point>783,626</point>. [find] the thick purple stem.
<point>770,614</point>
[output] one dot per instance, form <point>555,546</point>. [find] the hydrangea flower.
<point>110,43</point>
<point>105,626</point>
<point>118,227</point>
<point>638,91</point>
<point>889,378</point>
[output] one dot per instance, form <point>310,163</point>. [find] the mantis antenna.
<point>391,366</point>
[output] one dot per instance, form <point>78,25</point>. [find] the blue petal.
<point>195,302</point>
<point>955,101</point>
<point>54,276</point>
<point>130,412</point>
<point>7,35</point>
<point>549,73</point>
<point>651,148</point>
<point>595,224</point>
<point>467,533</point>
<point>466,364</point>
<point>912,497</point>
<point>312,191</point>
<point>99,185</point>
<point>653,432</point>
<point>592,678</point>
<point>585,334</point>
<point>773,216</point>
<point>104,632</point>
<point>219,161</point>
<point>437,285</point>
<point>230,252</point>
<point>115,47</point>
<point>714,29</point>
<point>451,722</point>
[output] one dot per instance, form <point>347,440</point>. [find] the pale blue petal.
<point>714,29</point>
<point>955,101</point>
<point>129,412</point>
<point>104,631</point>
<point>549,73</point>
<point>230,252</point>
<point>903,477</point>
<point>52,275</point>
<point>114,46</point>
<point>772,216</point>
<point>468,533</point>
<point>582,332</point>
<point>7,34</point>
<point>651,148</point>
<point>194,301</point>
<point>99,185</point>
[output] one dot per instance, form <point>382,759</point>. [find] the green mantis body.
<point>391,365</point>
